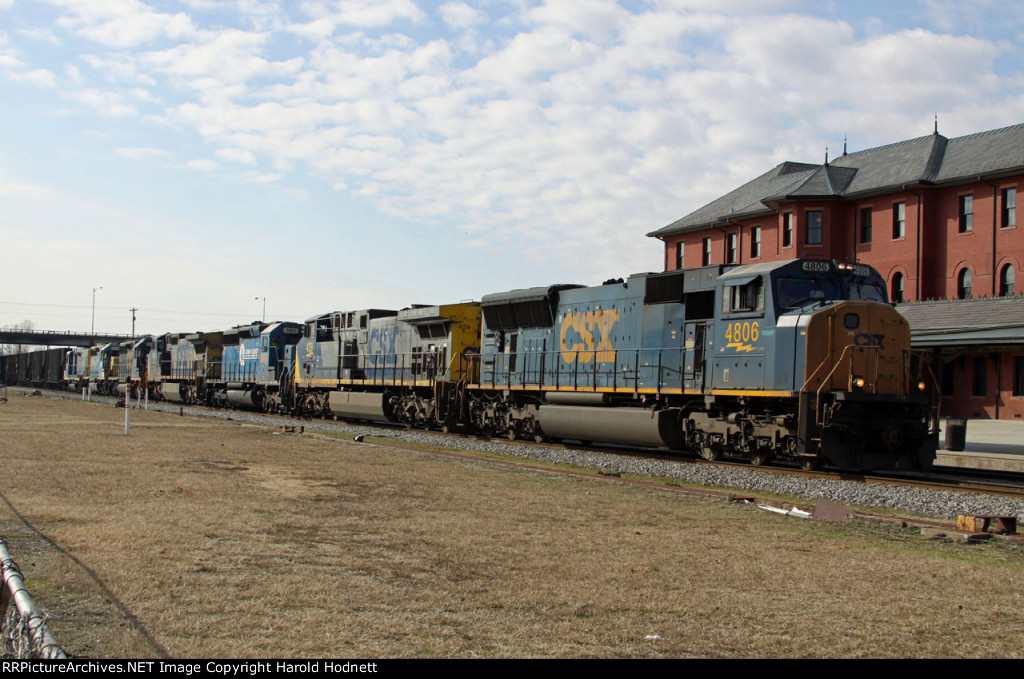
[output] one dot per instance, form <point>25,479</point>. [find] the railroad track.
<point>1012,488</point>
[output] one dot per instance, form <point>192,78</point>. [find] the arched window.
<point>896,296</point>
<point>963,284</point>
<point>1007,278</point>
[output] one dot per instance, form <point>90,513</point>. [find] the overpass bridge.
<point>57,338</point>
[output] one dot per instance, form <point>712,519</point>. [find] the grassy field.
<point>204,538</point>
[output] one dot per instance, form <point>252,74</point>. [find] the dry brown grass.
<point>232,541</point>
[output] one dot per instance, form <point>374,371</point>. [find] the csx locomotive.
<point>799,360</point>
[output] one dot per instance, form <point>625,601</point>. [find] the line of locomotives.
<point>799,360</point>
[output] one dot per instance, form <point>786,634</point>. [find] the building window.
<point>730,249</point>
<point>963,284</point>
<point>980,376</point>
<point>787,230</point>
<point>897,288</point>
<point>899,220</point>
<point>755,242</point>
<point>1018,376</point>
<point>679,255</point>
<point>706,258</point>
<point>966,214</point>
<point>814,227</point>
<point>865,225</point>
<point>1009,217</point>
<point>948,379</point>
<point>1007,280</point>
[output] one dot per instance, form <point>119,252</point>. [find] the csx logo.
<point>382,340</point>
<point>866,339</point>
<point>577,339</point>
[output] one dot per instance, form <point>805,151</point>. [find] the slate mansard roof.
<point>926,161</point>
<point>991,321</point>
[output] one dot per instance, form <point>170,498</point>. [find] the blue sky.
<point>190,155</point>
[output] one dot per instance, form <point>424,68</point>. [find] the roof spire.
<point>826,154</point>
<point>844,144</point>
<point>936,132</point>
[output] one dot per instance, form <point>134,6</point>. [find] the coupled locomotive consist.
<point>799,360</point>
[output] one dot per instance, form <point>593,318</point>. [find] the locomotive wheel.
<point>711,452</point>
<point>810,463</point>
<point>540,438</point>
<point>760,456</point>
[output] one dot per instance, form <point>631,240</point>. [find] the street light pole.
<point>263,318</point>
<point>92,327</point>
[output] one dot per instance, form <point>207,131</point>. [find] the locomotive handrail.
<point>535,370</point>
<point>835,366</point>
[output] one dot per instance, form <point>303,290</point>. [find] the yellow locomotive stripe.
<point>644,390</point>
<point>751,392</point>
<point>365,383</point>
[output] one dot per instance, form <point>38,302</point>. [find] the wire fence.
<point>24,634</point>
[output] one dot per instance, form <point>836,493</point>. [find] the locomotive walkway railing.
<point>630,370</point>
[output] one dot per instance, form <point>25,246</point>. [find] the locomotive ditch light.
<point>921,386</point>
<point>859,382</point>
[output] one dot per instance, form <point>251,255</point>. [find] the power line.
<point>115,308</point>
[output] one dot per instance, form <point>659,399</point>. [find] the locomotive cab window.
<point>794,293</point>
<point>863,290</point>
<point>743,295</point>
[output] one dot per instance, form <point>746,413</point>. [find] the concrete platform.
<point>991,444</point>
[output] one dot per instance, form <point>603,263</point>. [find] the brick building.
<point>937,217</point>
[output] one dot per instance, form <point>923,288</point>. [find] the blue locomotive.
<point>799,360</point>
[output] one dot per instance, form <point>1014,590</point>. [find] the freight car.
<point>40,368</point>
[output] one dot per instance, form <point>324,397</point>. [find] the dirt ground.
<point>204,538</point>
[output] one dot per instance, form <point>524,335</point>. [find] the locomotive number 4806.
<point>741,336</point>
<point>742,332</point>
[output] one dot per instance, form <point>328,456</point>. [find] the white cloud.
<point>326,18</point>
<point>110,104</point>
<point>260,177</point>
<point>121,23</point>
<point>461,15</point>
<point>142,153</point>
<point>40,77</point>
<point>40,35</point>
<point>236,156</point>
<point>202,164</point>
<point>230,56</point>
<point>24,189</point>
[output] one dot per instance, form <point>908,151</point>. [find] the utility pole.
<point>92,328</point>
<point>133,310</point>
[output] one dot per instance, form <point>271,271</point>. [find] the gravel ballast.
<point>934,503</point>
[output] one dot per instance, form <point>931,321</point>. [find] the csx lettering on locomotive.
<point>580,329</point>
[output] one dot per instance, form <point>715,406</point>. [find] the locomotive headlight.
<point>858,382</point>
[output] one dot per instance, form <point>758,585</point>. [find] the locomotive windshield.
<point>793,293</point>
